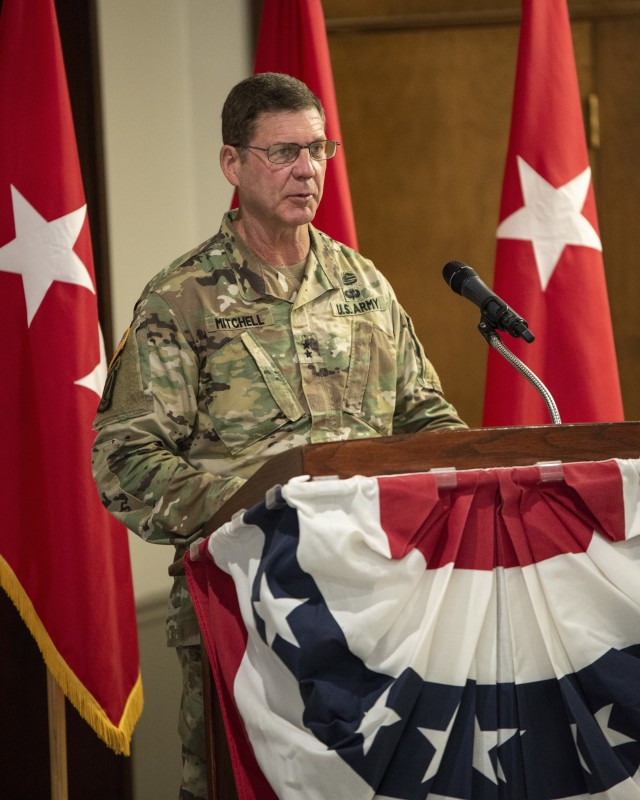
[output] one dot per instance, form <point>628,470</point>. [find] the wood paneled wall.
<point>424,92</point>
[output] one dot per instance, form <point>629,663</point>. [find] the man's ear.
<point>229,161</point>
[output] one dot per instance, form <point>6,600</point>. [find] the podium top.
<point>475,448</point>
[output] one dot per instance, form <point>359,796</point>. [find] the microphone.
<point>465,281</point>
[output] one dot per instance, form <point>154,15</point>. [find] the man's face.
<point>282,195</point>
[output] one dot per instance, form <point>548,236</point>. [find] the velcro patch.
<point>364,306</point>
<point>110,382</point>
<point>239,322</point>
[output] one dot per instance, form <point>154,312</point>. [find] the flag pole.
<point>57,739</point>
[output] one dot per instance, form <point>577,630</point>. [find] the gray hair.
<point>266,92</point>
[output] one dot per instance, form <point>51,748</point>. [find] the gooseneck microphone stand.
<point>488,330</point>
<point>496,314</point>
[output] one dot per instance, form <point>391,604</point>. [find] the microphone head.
<point>456,273</point>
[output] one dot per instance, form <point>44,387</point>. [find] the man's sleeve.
<point>145,420</point>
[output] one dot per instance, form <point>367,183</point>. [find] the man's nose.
<point>304,165</point>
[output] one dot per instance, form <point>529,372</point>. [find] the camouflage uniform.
<point>191,726</point>
<point>224,366</point>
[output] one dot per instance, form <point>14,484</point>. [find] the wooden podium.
<point>419,452</point>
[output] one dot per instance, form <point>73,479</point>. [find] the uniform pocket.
<point>359,363</point>
<point>370,391</point>
<point>249,397</point>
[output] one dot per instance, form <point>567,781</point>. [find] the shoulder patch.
<point>110,383</point>
<point>123,395</point>
<point>120,346</point>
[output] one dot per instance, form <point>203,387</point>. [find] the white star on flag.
<point>613,736</point>
<point>42,251</point>
<point>438,740</point>
<point>273,611</point>
<point>483,743</point>
<point>550,218</point>
<point>574,733</point>
<point>378,716</point>
<point>95,379</point>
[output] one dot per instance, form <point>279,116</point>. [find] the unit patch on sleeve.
<point>114,366</point>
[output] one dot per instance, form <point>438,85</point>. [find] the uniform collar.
<point>322,272</point>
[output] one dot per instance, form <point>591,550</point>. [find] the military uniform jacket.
<point>222,368</point>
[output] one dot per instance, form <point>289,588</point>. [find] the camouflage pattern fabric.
<point>191,726</point>
<point>224,366</point>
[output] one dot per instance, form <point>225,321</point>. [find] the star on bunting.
<point>42,251</point>
<point>550,219</point>
<point>438,740</point>
<point>613,736</point>
<point>378,716</point>
<point>274,612</point>
<point>483,742</point>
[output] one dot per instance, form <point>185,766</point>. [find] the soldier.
<point>268,336</point>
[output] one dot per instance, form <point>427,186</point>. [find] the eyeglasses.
<point>288,152</point>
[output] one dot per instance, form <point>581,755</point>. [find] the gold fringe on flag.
<point>118,738</point>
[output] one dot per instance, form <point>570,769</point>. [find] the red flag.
<point>549,257</point>
<point>293,40</point>
<point>63,560</point>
